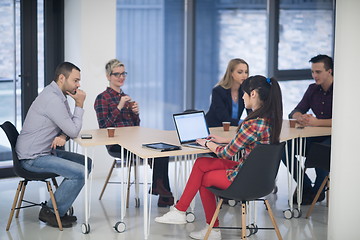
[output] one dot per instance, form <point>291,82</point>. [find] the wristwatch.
<point>206,142</point>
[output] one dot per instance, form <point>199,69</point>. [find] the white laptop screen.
<point>191,126</point>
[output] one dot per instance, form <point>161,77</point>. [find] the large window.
<point>176,50</point>
<point>306,29</point>
<point>9,61</point>
<point>9,70</point>
<point>226,30</point>
<point>15,47</point>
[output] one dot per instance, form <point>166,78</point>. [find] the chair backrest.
<point>256,178</point>
<point>12,135</point>
<point>318,156</point>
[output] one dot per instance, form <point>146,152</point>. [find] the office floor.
<point>105,213</point>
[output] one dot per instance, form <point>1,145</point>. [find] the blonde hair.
<point>113,63</point>
<point>227,80</point>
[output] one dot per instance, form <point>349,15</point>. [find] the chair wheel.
<point>254,228</point>
<point>137,202</point>
<point>288,214</point>
<point>120,227</point>
<point>85,228</point>
<point>249,231</point>
<point>70,212</point>
<point>190,217</point>
<point>297,213</point>
<point>232,203</point>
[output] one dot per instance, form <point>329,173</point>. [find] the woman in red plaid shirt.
<point>114,108</point>
<point>262,126</point>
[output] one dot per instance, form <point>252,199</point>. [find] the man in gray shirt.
<point>48,124</point>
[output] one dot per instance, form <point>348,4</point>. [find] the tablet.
<point>161,147</point>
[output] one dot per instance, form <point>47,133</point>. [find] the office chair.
<point>319,157</point>
<point>12,135</point>
<point>130,161</point>
<point>255,180</point>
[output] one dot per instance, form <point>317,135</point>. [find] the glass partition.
<point>9,69</point>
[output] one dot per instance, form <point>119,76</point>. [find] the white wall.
<point>90,34</point>
<point>345,166</point>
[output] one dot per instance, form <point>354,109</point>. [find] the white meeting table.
<point>131,139</point>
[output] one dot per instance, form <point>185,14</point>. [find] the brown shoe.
<point>161,190</point>
<point>47,216</point>
<point>165,201</point>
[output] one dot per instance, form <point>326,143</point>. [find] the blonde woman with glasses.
<point>114,108</point>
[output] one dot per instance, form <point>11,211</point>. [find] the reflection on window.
<point>150,42</point>
<point>292,93</point>
<point>304,32</point>
<point>226,30</point>
<point>243,35</point>
<point>9,66</point>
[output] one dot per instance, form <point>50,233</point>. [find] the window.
<point>9,82</point>
<point>11,57</point>
<point>304,33</point>
<point>176,50</point>
<point>226,30</point>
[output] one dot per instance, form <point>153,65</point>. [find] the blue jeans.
<point>66,164</point>
<point>320,173</point>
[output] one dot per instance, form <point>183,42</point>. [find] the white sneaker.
<point>214,234</point>
<point>174,216</point>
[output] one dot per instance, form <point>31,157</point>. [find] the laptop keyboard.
<point>194,144</point>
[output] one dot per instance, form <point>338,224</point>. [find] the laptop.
<point>191,126</point>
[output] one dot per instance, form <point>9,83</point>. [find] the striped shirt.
<point>108,115</point>
<point>251,133</point>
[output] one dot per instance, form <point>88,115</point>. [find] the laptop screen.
<point>191,126</point>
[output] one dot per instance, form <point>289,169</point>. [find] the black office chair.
<point>255,180</point>
<point>319,157</point>
<point>12,134</point>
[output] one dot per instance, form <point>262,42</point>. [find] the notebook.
<point>191,126</point>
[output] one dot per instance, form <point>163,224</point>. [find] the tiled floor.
<point>105,213</point>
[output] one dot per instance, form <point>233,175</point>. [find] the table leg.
<point>299,167</point>
<point>86,189</point>
<point>145,195</point>
<point>137,180</point>
<point>288,214</point>
<point>122,197</point>
<point>85,227</point>
<point>300,175</point>
<point>191,160</point>
<point>175,189</point>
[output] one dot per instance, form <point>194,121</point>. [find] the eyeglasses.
<point>117,74</point>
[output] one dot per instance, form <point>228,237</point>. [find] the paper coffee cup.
<point>226,126</point>
<point>111,131</point>
<point>292,123</point>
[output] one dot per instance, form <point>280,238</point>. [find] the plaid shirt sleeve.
<point>109,115</point>
<point>251,133</point>
<point>247,135</point>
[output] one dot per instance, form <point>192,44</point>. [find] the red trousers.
<point>206,172</point>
